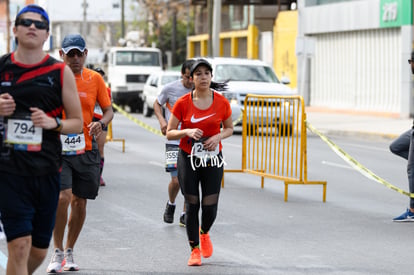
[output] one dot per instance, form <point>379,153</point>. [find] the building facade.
<point>354,55</point>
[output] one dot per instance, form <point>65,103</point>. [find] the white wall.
<point>347,16</point>
<point>358,70</point>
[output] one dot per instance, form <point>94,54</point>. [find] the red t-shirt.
<point>208,120</point>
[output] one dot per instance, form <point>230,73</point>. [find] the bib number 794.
<point>23,131</point>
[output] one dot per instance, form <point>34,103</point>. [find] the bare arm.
<point>158,113</point>
<point>174,133</point>
<point>95,127</point>
<point>227,131</point>
<point>71,104</point>
<point>227,128</point>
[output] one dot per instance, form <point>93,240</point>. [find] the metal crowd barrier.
<point>274,140</point>
<point>109,137</point>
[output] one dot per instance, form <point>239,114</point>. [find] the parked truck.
<point>128,70</point>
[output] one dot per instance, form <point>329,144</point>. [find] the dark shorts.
<point>28,206</point>
<point>208,177</point>
<point>82,173</point>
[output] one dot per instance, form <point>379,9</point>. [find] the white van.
<point>128,70</point>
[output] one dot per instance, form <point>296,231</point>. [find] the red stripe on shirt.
<point>40,71</point>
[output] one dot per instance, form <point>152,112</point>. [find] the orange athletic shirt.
<point>91,89</point>
<point>208,120</point>
<point>99,115</point>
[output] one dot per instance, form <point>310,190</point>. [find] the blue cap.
<point>35,9</point>
<point>73,41</point>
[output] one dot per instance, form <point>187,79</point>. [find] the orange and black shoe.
<point>206,245</point>
<point>195,258</point>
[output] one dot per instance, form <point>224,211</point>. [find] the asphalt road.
<point>256,232</point>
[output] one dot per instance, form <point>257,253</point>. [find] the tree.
<point>179,52</point>
<point>167,26</point>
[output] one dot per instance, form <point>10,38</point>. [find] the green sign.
<point>395,13</point>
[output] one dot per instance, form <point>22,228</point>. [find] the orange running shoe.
<point>195,258</point>
<point>206,245</point>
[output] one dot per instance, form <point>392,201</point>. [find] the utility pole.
<point>174,35</point>
<point>216,27</point>
<point>85,7</point>
<point>8,24</point>
<point>122,18</point>
<point>210,26</point>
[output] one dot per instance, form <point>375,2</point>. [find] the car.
<point>248,76</point>
<point>153,86</point>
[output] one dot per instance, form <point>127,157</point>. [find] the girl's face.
<point>202,77</point>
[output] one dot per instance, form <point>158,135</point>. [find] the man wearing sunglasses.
<point>403,146</point>
<point>81,159</point>
<point>34,90</point>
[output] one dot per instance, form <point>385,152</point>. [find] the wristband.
<point>59,125</point>
<point>102,124</point>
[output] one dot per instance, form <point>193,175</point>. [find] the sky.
<point>98,10</point>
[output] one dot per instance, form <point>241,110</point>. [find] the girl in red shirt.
<point>200,160</point>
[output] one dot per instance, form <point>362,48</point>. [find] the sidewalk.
<point>332,122</point>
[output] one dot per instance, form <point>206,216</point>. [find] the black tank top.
<point>38,85</point>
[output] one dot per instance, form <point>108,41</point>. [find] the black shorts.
<point>82,173</point>
<point>209,176</point>
<point>28,206</point>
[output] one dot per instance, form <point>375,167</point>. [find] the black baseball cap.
<point>198,63</point>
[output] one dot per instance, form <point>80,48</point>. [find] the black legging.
<point>189,179</point>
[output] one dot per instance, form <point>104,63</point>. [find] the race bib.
<point>73,144</point>
<point>199,151</point>
<point>171,156</point>
<point>23,134</point>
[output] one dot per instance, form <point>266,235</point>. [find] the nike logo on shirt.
<point>195,120</point>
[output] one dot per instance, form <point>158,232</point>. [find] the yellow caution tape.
<point>150,128</point>
<point>137,121</point>
<point>355,164</point>
<point>239,118</point>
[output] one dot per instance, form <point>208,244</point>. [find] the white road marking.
<point>337,165</point>
<point>157,163</point>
